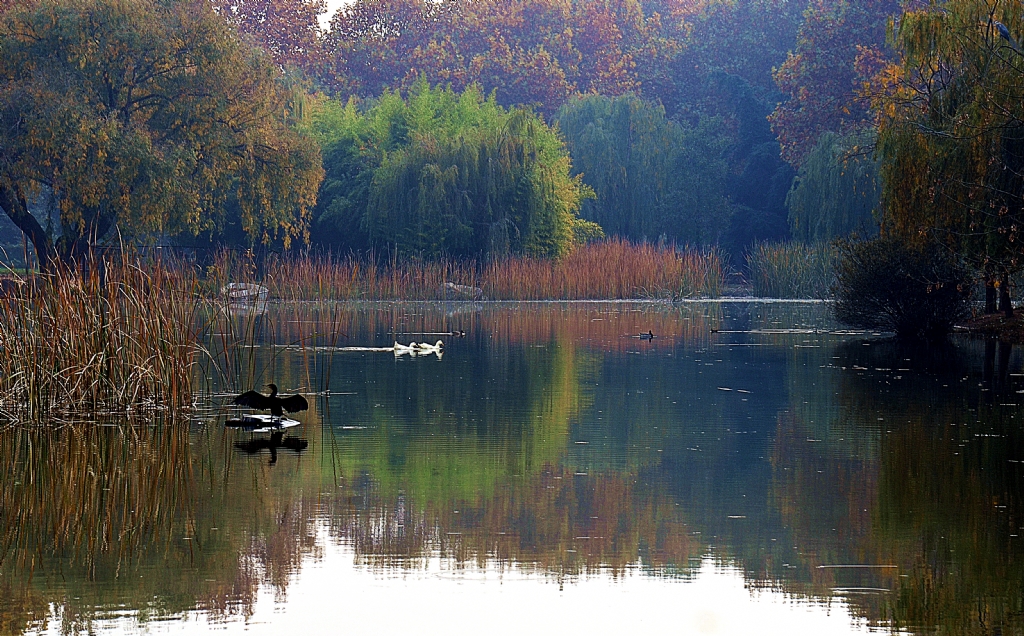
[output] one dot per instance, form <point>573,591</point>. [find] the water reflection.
<point>272,443</point>
<point>549,442</point>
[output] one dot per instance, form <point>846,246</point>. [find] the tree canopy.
<point>288,29</point>
<point>653,177</point>
<point>951,132</point>
<point>441,173</point>
<point>840,47</point>
<point>151,116</point>
<point>529,52</point>
<point>836,193</point>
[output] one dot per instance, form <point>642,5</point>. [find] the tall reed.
<point>792,270</point>
<point>119,338</point>
<point>332,278</point>
<point>614,269</point>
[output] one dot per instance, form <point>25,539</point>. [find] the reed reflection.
<point>552,440</point>
<point>143,520</point>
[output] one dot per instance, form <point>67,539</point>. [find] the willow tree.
<point>951,135</point>
<point>438,173</point>
<point>836,191</point>
<point>652,176</point>
<point>150,116</point>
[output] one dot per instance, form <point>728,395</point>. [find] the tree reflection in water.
<point>551,441</point>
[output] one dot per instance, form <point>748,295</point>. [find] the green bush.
<point>916,292</point>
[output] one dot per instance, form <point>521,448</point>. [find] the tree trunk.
<point>15,206</point>
<point>1005,305</point>
<point>990,293</point>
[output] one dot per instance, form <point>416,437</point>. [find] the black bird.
<point>277,405</point>
<point>647,336</point>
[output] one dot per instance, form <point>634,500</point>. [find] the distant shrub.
<point>792,270</point>
<point>916,292</point>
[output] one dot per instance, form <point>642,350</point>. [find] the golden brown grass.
<point>118,339</point>
<point>613,269</point>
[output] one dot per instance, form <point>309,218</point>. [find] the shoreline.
<point>996,326</point>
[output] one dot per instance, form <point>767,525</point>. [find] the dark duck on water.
<point>276,405</point>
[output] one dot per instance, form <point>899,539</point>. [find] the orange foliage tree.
<point>535,52</point>
<point>288,29</point>
<point>840,47</point>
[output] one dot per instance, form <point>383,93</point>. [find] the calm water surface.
<point>749,470</point>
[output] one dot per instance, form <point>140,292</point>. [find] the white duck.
<point>423,347</point>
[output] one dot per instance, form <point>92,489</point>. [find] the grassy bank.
<point>607,270</point>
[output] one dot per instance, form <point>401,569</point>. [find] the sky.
<point>332,6</point>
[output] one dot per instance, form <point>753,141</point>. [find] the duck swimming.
<point>647,336</point>
<point>422,346</point>
<point>418,348</point>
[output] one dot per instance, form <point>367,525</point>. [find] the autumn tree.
<point>951,135</point>
<point>151,116</point>
<point>287,29</point>
<point>438,173</point>
<point>529,52</point>
<point>839,48</point>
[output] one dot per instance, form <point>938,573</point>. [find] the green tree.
<point>150,116</point>
<point>652,176</point>
<point>439,173</point>
<point>836,192</point>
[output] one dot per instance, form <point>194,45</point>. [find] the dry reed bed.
<point>613,269</point>
<point>118,339</point>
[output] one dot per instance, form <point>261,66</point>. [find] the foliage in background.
<point>836,192</point>
<point>439,173</point>
<point>151,134</point>
<point>530,52</point>
<point>951,134</point>
<point>652,177</point>
<point>758,178</point>
<point>839,48</point>
<point>744,39</point>
<point>792,270</point>
<point>917,292</point>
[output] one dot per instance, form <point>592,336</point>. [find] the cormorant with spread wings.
<point>277,405</point>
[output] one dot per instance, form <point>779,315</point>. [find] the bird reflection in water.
<point>275,441</point>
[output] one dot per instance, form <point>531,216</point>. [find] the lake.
<point>750,469</point>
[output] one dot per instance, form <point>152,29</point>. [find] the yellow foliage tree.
<point>151,116</point>
<point>951,134</point>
